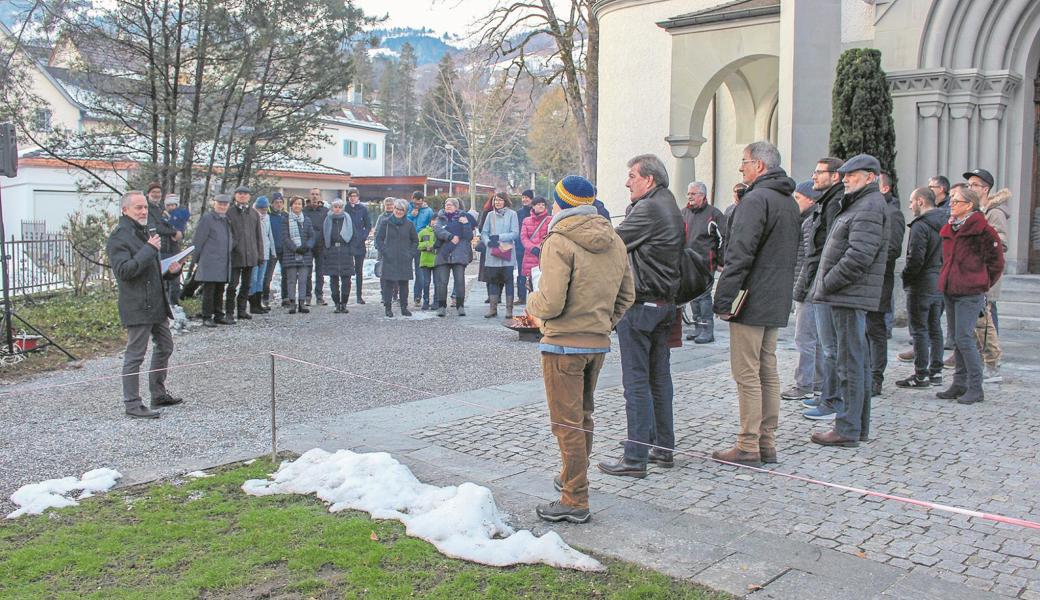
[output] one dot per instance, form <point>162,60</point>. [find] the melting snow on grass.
<point>34,498</point>
<point>461,521</point>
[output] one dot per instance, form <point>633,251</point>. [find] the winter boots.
<point>492,308</point>
<point>404,307</point>
<point>509,307</point>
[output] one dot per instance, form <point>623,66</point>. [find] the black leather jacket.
<point>654,234</point>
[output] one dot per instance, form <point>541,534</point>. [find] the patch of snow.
<point>250,461</point>
<point>198,474</point>
<point>34,498</point>
<point>461,521</point>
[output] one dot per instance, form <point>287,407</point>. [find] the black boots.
<point>404,309</point>
<point>389,311</point>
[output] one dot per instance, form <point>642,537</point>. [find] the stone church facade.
<point>694,81</point>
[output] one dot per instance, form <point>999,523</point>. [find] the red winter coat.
<point>973,258</point>
<point>532,231</point>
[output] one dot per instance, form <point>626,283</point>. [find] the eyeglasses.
<point>819,172</point>
<point>747,160</point>
<point>960,202</point>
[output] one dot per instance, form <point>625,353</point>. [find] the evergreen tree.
<point>862,110</point>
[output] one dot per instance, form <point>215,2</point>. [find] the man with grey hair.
<point>704,224</point>
<point>654,237</point>
<point>754,294</point>
<point>144,308</point>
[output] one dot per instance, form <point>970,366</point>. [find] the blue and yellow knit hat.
<point>574,190</point>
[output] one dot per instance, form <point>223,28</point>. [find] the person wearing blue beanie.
<point>574,190</point>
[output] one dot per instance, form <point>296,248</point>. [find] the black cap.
<point>861,162</point>
<point>222,198</point>
<point>982,174</point>
<point>242,190</point>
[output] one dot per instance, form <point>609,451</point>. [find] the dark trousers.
<point>392,289</point>
<point>877,342</point>
<point>417,286</point>
<point>495,287</point>
<point>137,337</point>
<point>359,274</point>
<point>993,315</point>
<point>961,314</point>
<point>427,282</point>
<point>236,294</point>
<point>273,264</point>
<point>521,287</point>
<point>853,419</point>
<point>319,278</point>
<point>440,280</point>
<point>297,279</point>
<point>212,296</point>
<point>339,287</point>
<point>925,314</point>
<point>703,313</point>
<point>647,376</point>
<point>831,387</point>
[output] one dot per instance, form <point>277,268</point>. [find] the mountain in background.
<point>428,46</point>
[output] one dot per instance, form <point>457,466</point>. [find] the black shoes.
<point>389,312</point>
<point>875,389</point>
<point>951,393</point>
<point>914,381</point>
<point>243,315</point>
<point>304,310</point>
<point>662,458</point>
<point>208,322</point>
<point>624,468</point>
<point>166,400</point>
<point>137,410</point>
<point>556,511</point>
<point>360,300</point>
<point>341,308</point>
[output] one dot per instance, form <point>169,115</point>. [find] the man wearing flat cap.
<point>849,280</point>
<point>246,251</point>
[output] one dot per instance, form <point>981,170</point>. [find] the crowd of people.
<point>826,247</point>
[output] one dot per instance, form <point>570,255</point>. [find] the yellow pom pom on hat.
<point>574,190</point>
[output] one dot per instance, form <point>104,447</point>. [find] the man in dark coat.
<point>921,282</point>
<point>653,234</point>
<point>754,294</point>
<point>704,224</point>
<point>144,309</point>
<point>826,181</point>
<point>278,217</point>
<point>849,280</point>
<point>362,226</point>
<point>877,320</point>
<point>168,234</point>
<point>316,212</point>
<point>246,253</point>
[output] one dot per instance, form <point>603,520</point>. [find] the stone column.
<point>989,136</point>
<point>960,120</point>
<point>928,139</point>
<point>684,150</point>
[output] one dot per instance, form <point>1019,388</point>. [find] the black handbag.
<point>190,286</point>
<point>695,276</point>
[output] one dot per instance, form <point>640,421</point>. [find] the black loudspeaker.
<point>8,151</point>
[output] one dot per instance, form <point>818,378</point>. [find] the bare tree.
<point>515,30</point>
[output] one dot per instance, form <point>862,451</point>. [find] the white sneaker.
<point>992,375</point>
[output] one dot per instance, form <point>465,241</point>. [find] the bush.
<point>862,110</point>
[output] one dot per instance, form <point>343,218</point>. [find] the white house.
<point>358,141</point>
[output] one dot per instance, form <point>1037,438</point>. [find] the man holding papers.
<point>144,307</point>
<point>754,294</point>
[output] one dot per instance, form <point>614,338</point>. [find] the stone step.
<point>1017,309</point>
<point>1018,294</point>
<point>1018,323</point>
<point>1021,282</point>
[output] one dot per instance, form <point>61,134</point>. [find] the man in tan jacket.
<point>585,288</point>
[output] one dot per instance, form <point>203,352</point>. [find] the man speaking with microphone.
<point>144,308</point>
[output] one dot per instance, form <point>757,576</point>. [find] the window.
<point>42,120</point>
<point>370,150</point>
<point>349,148</point>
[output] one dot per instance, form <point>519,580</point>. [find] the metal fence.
<point>48,262</point>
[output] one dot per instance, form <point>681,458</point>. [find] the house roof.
<point>352,115</point>
<point>735,10</point>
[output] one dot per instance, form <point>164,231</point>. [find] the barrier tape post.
<point>274,424</point>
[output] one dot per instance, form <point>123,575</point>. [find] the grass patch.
<point>206,538</point>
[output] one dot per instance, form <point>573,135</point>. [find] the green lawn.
<point>206,538</point>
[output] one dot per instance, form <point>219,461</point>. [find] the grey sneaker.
<point>796,393</point>
<point>992,375</point>
<point>556,511</point>
<point>138,410</point>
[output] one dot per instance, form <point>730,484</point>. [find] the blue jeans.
<point>418,285</point>
<point>850,326</point>
<point>646,373</point>
<point>925,314</point>
<point>256,280</point>
<point>830,387</point>
<point>961,314</point>
<point>808,373</point>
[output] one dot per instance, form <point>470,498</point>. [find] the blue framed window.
<point>370,150</point>
<point>349,148</point>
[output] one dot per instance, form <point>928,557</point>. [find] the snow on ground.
<point>461,521</point>
<point>34,498</point>
<point>198,475</point>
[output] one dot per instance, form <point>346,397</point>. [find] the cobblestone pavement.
<point>980,457</point>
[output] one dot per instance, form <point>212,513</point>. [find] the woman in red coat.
<point>532,231</point>
<point>973,260</point>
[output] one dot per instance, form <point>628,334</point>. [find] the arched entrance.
<point>1034,210</point>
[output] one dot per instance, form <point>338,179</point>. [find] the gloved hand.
<point>492,241</point>
<point>300,250</point>
<point>536,251</point>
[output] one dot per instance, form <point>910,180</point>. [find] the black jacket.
<point>760,254</point>
<point>397,243</point>
<point>653,234</point>
<point>822,218</point>
<point>924,253</point>
<point>896,225</point>
<point>213,241</point>
<point>852,265</point>
<point>362,227</point>
<point>247,249</point>
<point>806,229</point>
<point>696,221</point>
<point>135,264</point>
<point>316,215</point>
<point>167,247</point>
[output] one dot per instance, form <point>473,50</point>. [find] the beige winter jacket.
<point>586,284</point>
<point>997,213</point>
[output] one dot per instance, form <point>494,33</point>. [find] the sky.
<point>443,16</point>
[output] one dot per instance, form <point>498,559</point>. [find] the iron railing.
<point>48,262</point>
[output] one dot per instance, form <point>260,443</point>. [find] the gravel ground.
<point>67,431</point>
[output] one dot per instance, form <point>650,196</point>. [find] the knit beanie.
<point>574,190</point>
<point>805,188</point>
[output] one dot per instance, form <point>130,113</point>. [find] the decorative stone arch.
<point>743,103</point>
<point>766,115</point>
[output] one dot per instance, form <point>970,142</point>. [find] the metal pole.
<point>274,423</point>
<point>8,325</point>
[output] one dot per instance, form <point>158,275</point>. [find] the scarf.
<point>394,219</point>
<point>295,228</point>
<point>955,224</point>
